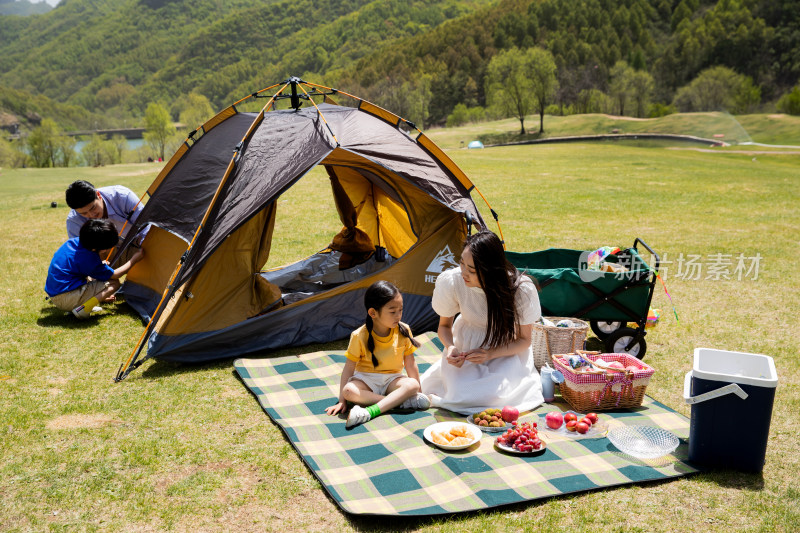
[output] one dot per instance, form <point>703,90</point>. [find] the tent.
<point>205,286</point>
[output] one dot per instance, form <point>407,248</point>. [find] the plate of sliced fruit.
<point>452,435</point>
<point>575,425</point>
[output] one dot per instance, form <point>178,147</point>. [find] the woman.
<point>487,359</point>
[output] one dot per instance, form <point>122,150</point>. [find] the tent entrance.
<point>373,229</point>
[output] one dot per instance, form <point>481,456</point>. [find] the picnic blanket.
<point>386,467</point>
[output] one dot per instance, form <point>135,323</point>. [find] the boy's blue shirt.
<point>71,265</point>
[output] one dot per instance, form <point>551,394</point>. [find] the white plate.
<point>509,449</point>
<point>597,431</point>
<point>446,426</point>
<point>488,429</point>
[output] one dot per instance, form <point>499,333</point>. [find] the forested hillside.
<point>118,55</point>
<point>418,58</point>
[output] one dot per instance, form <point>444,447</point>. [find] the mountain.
<point>122,54</point>
<point>23,7</point>
<point>417,58</point>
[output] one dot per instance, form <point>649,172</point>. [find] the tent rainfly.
<point>204,286</point>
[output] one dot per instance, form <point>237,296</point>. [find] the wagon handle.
<point>653,252</point>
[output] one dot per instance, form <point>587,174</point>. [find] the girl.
<point>487,359</point>
<point>377,353</point>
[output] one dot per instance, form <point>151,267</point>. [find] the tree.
<point>718,89</point>
<point>541,68</point>
<point>790,102</point>
<point>642,85</point>
<point>508,85</point>
<point>196,109</point>
<point>93,152</point>
<point>158,128</point>
<point>620,84</point>
<point>43,144</point>
<point>65,150</point>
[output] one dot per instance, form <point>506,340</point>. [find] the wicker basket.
<point>549,340</point>
<point>601,391</point>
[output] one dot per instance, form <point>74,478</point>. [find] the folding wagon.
<point>609,301</point>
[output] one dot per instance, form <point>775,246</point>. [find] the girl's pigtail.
<point>371,342</point>
<point>407,334</point>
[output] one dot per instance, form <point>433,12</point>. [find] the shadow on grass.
<point>733,479</point>
<point>53,317</point>
<point>160,368</point>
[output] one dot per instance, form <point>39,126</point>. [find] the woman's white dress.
<point>511,380</point>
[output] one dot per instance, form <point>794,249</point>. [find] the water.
<point>133,144</point>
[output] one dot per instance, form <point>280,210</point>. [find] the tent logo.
<point>444,260</point>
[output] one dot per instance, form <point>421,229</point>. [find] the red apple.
<point>586,420</point>
<point>510,413</point>
<point>593,417</point>
<point>571,425</point>
<point>570,417</point>
<point>581,427</point>
<point>554,419</point>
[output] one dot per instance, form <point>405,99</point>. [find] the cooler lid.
<point>735,367</point>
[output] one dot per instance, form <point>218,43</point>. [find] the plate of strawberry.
<point>521,439</point>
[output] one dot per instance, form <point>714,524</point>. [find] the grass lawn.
<point>775,129</point>
<point>187,448</point>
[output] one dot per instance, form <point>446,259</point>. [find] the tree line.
<point>442,62</point>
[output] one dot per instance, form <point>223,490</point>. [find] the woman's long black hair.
<point>499,280</point>
<point>379,294</point>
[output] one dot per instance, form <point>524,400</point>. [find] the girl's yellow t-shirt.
<point>389,351</point>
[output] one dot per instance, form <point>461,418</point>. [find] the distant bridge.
<point>128,133</point>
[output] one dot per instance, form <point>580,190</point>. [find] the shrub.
<point>789,103</point>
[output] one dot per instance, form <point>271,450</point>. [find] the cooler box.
<point>731,394</point>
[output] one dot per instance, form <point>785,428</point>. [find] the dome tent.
<point>404,205</point>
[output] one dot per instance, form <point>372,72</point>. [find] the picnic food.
<point>523,438</point>
<point>510,413</point>
<point>582,427</point>
<point>571,425</point>
<point>554,419</point>
<point>592,417</point>
<point>570,417</point>
<point>456,436</point>
<point>489,417</point>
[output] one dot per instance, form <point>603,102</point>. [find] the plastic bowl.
<point>643,442</point>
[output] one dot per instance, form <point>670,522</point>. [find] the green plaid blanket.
<point>386,467</point>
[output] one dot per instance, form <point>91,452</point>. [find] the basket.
<point>549,340</point>
<point>604,390</point>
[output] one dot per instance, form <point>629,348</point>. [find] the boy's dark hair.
<point>98,234</point>
<point>80,194</point>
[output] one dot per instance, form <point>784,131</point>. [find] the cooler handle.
<point>730,388</point>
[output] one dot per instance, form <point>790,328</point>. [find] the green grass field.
<point>735,130</point>
<point>187,448</point>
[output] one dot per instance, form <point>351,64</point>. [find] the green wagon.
<point>608,301</point>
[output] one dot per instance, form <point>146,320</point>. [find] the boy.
<point>78,279</point>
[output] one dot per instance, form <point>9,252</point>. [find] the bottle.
<point>550,378</point>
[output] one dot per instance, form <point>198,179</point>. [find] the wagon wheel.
<point>603,329</point>
<point>619,340</point>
